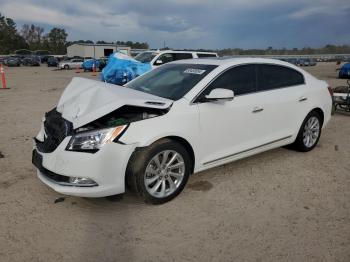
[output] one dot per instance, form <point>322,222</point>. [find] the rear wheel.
<point>159,172</point>
<point>309,133</point>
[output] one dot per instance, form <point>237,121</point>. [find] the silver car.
<point>69,64</point>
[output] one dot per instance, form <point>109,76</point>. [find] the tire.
<point>302,143</point>
<point>66,67</point>
<point>143,161</point>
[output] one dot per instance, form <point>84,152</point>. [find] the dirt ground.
<point>277,206</point>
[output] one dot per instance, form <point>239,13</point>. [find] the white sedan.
<point>179,119</point>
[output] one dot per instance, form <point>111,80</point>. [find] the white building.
<point>95,50</point>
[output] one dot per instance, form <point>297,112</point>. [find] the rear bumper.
<point>106,167</point>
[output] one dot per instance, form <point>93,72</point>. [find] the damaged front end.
<point>94,113</point>
<point>92,136</point>
<point>123,116</point>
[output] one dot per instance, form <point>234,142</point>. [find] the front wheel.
<point>309,133</point>
<point>159,172</point>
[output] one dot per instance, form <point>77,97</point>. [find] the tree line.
<point>33,37</point>
<point>328,49</point>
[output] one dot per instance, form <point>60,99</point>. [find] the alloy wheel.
<point>164,173</point>
<point>311,131</point>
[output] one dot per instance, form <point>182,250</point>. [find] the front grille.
<point>37,161</point>
<point>56,130</point>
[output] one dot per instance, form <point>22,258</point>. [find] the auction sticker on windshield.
<point>194,71</point>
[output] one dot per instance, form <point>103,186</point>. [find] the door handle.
<point>302,98</point>
<point>257,109</point>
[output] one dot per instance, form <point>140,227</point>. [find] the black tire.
<point>135,173</point>
<point>66,67</point>
<point>299,143</point>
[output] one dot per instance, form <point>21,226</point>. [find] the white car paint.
<point>158,55</point>
<point>218,132</point>
<point>86,100</point>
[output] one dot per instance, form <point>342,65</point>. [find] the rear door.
<point>283,99</point>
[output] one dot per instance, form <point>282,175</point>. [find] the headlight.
<point>92,141</point>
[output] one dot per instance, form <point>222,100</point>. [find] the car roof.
<point>224,61</point>
<point>177,51</point>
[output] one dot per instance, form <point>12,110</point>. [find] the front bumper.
<point>106,167</point>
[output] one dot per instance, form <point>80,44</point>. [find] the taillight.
<point>330,90</point>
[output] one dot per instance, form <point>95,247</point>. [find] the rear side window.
<point>274,76</point>
<point>240,79</point>
<point>205,55</point>
<point>180,56</point>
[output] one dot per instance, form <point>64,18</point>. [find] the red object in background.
<point>3,79</point>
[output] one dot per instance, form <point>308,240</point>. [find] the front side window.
<point>171,81</point>
<point>240,79</point>
<point>165,58</point>
<point>274,76</point>
<point>145,57</point>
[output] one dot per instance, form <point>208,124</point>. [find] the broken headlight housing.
<point>92,141</point>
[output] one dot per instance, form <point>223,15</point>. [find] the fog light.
<point>81,181</point>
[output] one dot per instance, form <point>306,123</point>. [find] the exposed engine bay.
<point>123,115</point>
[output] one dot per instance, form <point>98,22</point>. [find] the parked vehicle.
<point>52,61</point>
<point>344,71</point>
<point>312,62</point>
<point>12,62</point>
<point>31,61</point>
<point>293,61</point>
<point>178,119</point>
<point>157,58</point>
<point>303,62</point>
<point>69,64</point>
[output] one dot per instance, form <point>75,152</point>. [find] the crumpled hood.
<point>85,100</point>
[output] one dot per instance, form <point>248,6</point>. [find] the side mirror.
<point>220,94</point>
<point>159,62</point>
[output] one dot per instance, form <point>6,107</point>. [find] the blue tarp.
<point>87,65</point>
<point>121,68</point>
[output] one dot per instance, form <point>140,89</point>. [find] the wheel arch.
<point>187,146</point>
<point>320,112</point>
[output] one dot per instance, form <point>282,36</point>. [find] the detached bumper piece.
<point>37,160</point>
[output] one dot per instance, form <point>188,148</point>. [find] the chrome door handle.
<point>303,98</point>
<point>257,109</point>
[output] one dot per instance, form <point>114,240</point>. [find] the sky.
<point>208,24</point>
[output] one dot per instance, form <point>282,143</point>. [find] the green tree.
<point>57,39</point>
<point>10,40</point>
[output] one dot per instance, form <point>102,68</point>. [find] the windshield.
<point>171,81</point>
<point>145,57</point>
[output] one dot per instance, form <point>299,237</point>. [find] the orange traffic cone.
<point>3,78</point>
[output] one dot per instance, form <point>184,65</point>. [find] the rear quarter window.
<point>180,56</point>
<point>275,76</point>
<point>205,55</point>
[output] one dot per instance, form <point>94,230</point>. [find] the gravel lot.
<point>277,206</point>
